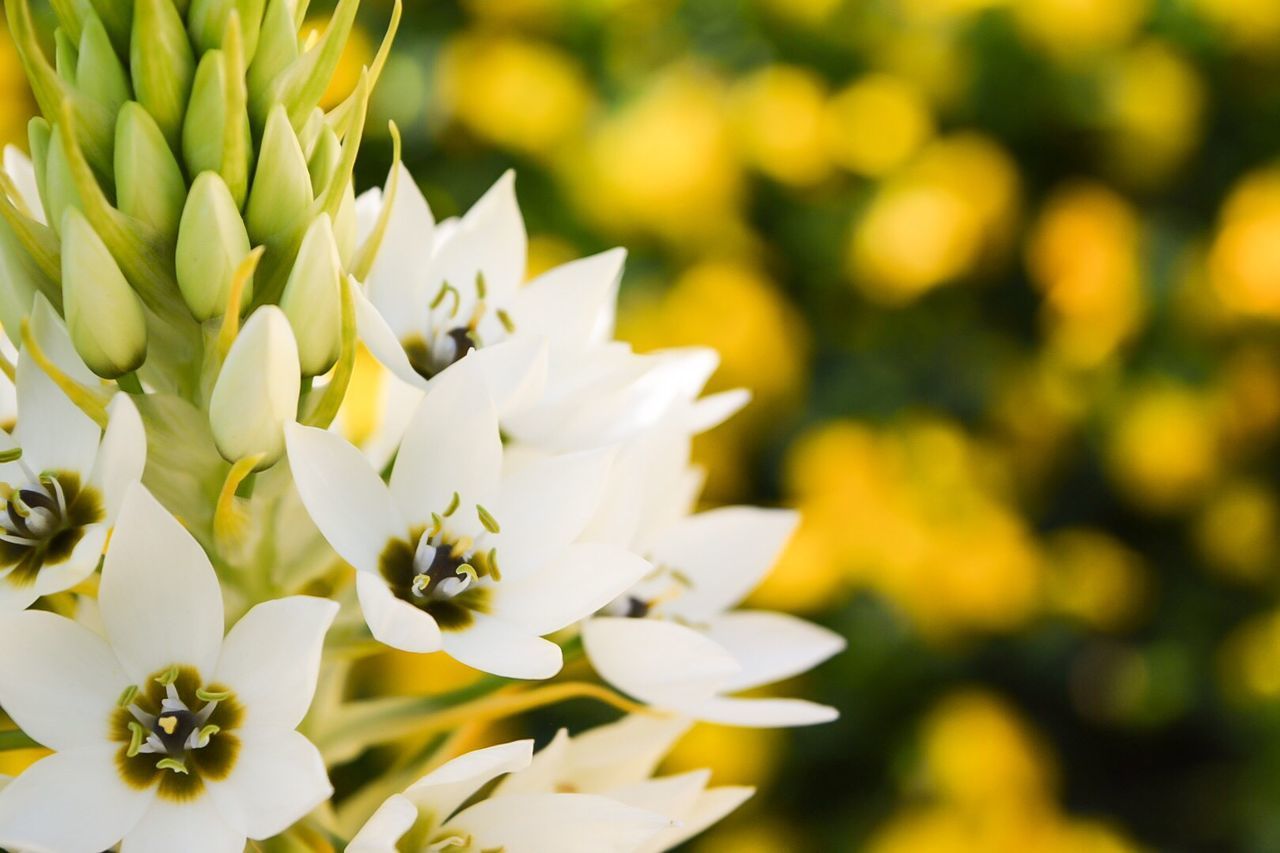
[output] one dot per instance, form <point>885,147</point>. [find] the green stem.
<point>130,383</point>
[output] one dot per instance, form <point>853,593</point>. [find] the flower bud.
<point>207,20</point>
<point>39,136</point>
<point>312,299</point>
<point>162,65</point>
<point>99,73</point>
<point>60,190</point>
<point>257,390</point>
<point>206,116</point>
<point>149,183</point>
<point>277,45</point>
<point>65,59</point>
<point>211,244</point>
<point>104,315</point>
<point>281,194</point>
<point>18,275</point>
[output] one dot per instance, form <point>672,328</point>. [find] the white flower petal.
<point>70,802</point>
<point>672,796</point>
<point>714,409</point>
<point>382,342</point>
<point>398,279</point>
<point>500,648</point>
<point>545,774</point>
<point>14,597</point>
<point>544,505</point>
<point>58,680</point>
<point>659,662</point>
<point>565,823</point>
<point>20,168</point>
<point>278,777</point>
<point>388,825</point>
<point>452,445</point>
<point>53,433</point>
<point>771,646</point>
<point>760,713</point>
<point>572,304</point>
<point>160,598</point>
<point>441,791</point>
<point>122,455</point>
<point>573,585</point>
<point>725,552</point>
<point>344,496</point>
<point>271,658</point>
<point>490,238</point>
<point>82,563</point>
<point>194,827</point>
<point>620,753</point>
<point>515,372</point>
<point>712,807</point>
<point>394,622</point>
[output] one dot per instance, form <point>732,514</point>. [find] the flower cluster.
<point>192,282</point>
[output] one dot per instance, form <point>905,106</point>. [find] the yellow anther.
<point>437,524</point>
<point>207,732</point>
<point>13,454</point>
<point>205,695</point>
<point>462,546</point>
<point>136,734</point>
<point>168,677</point>
<point>127,697</point>
<point>486,518</point>
<point>467,570</point>
<point>420,583</point>
<point>481,287</point>
<point>505,319</point>
<point>492,561</point>
<point>453,505</point>
<point>172,764</point>
<point>169,724</point>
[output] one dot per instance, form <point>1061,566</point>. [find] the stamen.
<point>420,584</point>
<point>469,571</point>
<point>505,319</point>
<point>205,695</point>
<point>13,454</point>
<point>51,482</point>
<point>127,697</point>
<point>18,540</point>
<point>447,289</point>
<point>453,505</point>
<point>136,735</point>
<point>481,287</point>
<point>492,560</point>
<point>173,764</point>
<point>167,678</point>
<point>437,524</point>
<point>486,518</point>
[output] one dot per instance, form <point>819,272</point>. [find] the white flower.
<point>675,640</point>
<point>167,736</point>
<point>617,761</point>
<point>426,817</point>
<point>65,478</point>
<point>437,291</point>
<point>472,548</point>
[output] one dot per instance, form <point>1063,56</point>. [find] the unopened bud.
<point>257,390</point>
<point>149,183</point>
<point>281,194</point>
<point>211,244</point>
<point>202,131</point>
<point>60,191</point>
<point>207,20</point>
<point>99,73</point>
<point>104,315</point>
<point>162,65</point>
<point>312,299</point>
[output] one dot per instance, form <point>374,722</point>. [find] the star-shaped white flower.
<point>426,817</point>
<point>472,548</point>
<point>166,735</point>
<point>675,640</point>
<point>65,478</point>
<point>617,761</point>
<point>559,381</point>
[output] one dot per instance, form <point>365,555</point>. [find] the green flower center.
<point>43,521</point>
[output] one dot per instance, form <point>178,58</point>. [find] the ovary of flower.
<point>165,735</point>
<point>62,478</point>
<point>471,547</point>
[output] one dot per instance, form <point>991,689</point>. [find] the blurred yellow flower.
<point>356,54</point>
<point>15,97</point>
<point>935,222</point>
<point>740,756</point>
<point>1253,25</point>
<point>758,836</point>
<point>1153,103</point>
<point>1069,28</point>
<point>520,94</point>
<point>810,574</point>
<point>876,123</point>
<point>915,513</point>
<point>1238,532</point>
<point>664,164</point>
<point>1249,660</point>
<point>1084,254</point>
<point>779,121</point>
<point>1249,389</point>
<point>1096,579</point>
<point>1163,447</point>
<point>1244,261</point>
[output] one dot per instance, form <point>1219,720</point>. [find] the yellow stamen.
<point>231,319</point>
<point>229,519</point>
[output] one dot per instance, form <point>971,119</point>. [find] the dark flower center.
<point>441,581</point>
<point>429,360</point>
<point>43,522</point>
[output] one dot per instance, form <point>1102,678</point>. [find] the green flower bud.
<point>18,276</point>
<point>212,242</point>
<point>207,20</point>
<point>104,315</point>
<point>60,190</point>
<point>312,299</point>
<point>117,17</point>
<point>162,65</point>
<point>65,57</point>
<point>71,15</point>
<point>281,194</point>
<point>277,46</point>
<point>257,390</point>
<point>300,85</point>
<point>99,73</point>
<point>205,123</point>
<point>39,138</point>
<point>149,181</point>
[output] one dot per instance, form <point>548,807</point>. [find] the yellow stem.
<point>231,319</point>
<point>508,704</point>
<point>228,520</point>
